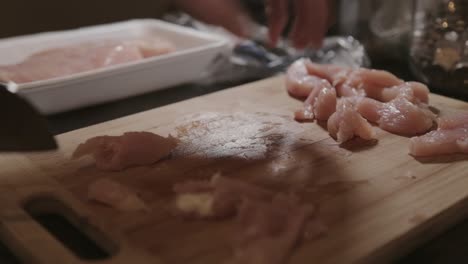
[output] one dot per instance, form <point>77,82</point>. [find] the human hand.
<point>226,13</point>
<point>311,18</point>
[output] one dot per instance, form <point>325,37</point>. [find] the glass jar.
<point>439,45</point>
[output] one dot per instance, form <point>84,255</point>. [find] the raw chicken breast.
<point>453,120</point>
<point>299,82</point>
<point>320,104</point>
<point>113,153</point>
<point>441,141</point>
<point>377,84</point>
<point>403,115</point>
<point>115,195</point>
<point>346,122</point>
<point>450,137</point>
<point>217,198</point>
<point>352,82</point>
<point>420,92</point>
<point>68,60</point>
<point>268,231</point>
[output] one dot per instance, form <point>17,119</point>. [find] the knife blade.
<point>23,128</point>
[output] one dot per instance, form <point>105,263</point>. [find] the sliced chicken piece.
<point>402,115</point>
<point>377,84</point>
<point>351,82</point>
<point>218,198</point>
<point>113,153</point>
<point>329,72</point>
<point>299,82</point>
<point>457,119</point>
<point>114,194</point>
<point>269,231</point>
<point>346,122</point>
<point>450,137</point>
<point>420,92</point>
<point>320,104</point>
<point>439,142</point>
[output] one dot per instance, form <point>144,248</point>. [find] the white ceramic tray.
<point>195,51</point>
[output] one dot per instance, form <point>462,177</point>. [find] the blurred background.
<point>425,40</point>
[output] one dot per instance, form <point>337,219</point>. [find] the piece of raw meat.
<point>113,153</point>
<point>299,82</point>
<point>457,119</point>
<point>320,104</point>
<point>346,122</point>
<point>354,82</point>
<point>216,198</point>
<point>267,232</point>
<point>450,137</point>
<point>77,58</point>
<point>440,142</point>
<point>377,84</point>
<point>115,195</point>
<point>420,92</point>
<point>404,115</point>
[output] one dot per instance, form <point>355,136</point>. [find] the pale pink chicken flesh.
<point>83,57</point>
<point>346,122</point>
<point>217,198</point>
<point>267,232</point>
<point>420,92</point>
<point>320,104</point>
<point>450,137</point>
<point>376,84</point>
<point>113,153</point>
<point>404,115</point>
<point>457,119</point>
<point>114,194</point>
<point>299,83</point>
<point>351,82</point>
<point>269,225</point>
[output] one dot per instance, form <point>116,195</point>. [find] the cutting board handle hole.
<point>74,232</point>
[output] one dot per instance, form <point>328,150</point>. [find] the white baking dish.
<point>195,51</point>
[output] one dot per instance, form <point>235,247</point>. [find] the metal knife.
<point>22,127</point>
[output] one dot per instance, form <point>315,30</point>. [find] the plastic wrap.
<point>253,58</point>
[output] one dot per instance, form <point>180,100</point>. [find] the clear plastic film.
<point>253,58</point>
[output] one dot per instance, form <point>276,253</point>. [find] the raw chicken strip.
<point>346,122</point>
<point>420,92</point>
<point>438,142</point>
<point>403,115</point>
<point>115,195</point>
<point>377,84</point>
<point>450,137</point>
<point>299,82</point>
<point>320,104</point>
<point>68,60</point>
<point>217,198</point>
<point>268,231</point>
<point>113,153</point>
<point>453,120</point>
<point>352,82</point>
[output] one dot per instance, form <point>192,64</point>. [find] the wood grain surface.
<point>374,200</point>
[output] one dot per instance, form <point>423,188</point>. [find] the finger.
<point>277,14</point>
<point>331,11</point>
<point>228,14</point>
<point>310,22</point>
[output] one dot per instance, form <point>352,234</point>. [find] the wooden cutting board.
<point>375,201</point>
